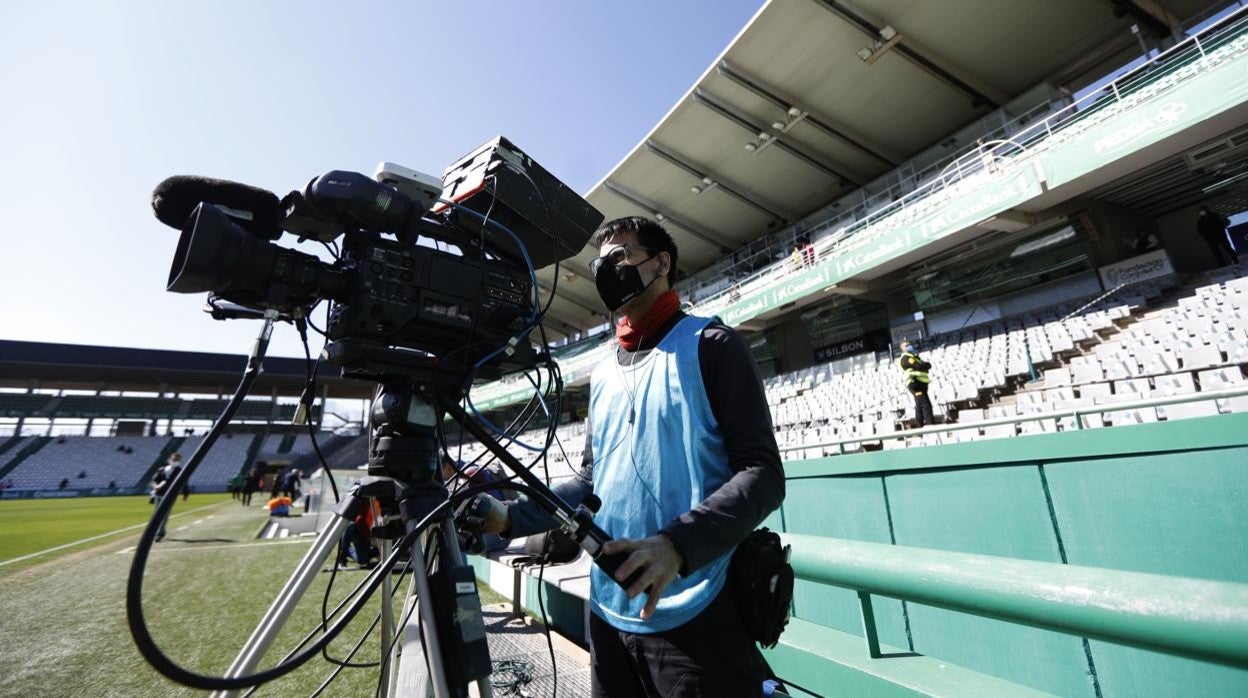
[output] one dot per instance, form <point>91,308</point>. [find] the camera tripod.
<point>443,646</point>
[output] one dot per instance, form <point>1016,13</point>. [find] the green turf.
<point>214,572</point>
<point>206,587</point>
<point>31,525</point>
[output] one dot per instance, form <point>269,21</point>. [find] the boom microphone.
<point>254,209</point>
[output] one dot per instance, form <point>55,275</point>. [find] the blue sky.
<point>101,101</point>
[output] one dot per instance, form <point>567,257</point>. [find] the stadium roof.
<point>833,119</point>
<point>82,367</point>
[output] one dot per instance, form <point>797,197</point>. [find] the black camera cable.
<point>308,399</point>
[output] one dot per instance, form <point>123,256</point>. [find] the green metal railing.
<point>1194,618</point>
<point>1076,413</point>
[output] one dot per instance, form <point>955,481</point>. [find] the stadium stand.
<point>13,447</point>
<point>1149,339</point>
<point>226,459</point>
<point>123,460</point>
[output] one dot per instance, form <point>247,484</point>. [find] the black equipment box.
<point>519,193</point>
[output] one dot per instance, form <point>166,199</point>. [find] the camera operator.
<point>680,448</point>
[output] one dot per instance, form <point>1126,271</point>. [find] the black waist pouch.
<point>761,581</point>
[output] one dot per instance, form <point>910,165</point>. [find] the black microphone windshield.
<point>255,209</point>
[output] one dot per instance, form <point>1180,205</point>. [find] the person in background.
<point>809,254</point>
<point>918,382</point>
<point>455,472</point>
<point>235,486</point>
<point>795,259</point>
<point>161,482</point>
<point>356,541</point>
<point>290,484</point>
<point>1211,226</point>
<point>1145,241</point>
<point>254,481</point>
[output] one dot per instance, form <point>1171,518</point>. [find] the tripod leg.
<point>414,679</point>
<point>387,623</point>
<point>249,657</point>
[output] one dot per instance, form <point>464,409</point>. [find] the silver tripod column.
<point>387,624</point>
<point>279,611</point>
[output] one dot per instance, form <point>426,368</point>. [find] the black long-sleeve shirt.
<point>735,392</point>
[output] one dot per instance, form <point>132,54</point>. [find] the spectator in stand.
<point>808,253</point>
<point>1145,241</point>
<point>917,382</point>
<point>1212,226</point>
<point>795,259</point>
<point>64,483</point>
<point>82,474</point>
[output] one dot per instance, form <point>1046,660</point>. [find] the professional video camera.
<point>446,268</point>
<point>434,285</point>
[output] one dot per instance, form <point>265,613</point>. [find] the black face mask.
<point>619,285</point>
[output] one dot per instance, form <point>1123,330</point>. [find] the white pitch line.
<point>231,546</point>
<point>102,535</point>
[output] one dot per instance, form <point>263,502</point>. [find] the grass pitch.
<point>206,587</point>
<point>28,526</point>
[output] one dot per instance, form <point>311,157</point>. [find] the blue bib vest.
<point>658,453</point>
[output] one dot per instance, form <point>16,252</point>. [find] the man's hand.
<point>659,562</point>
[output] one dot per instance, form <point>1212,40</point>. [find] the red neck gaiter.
<point>630,335</point>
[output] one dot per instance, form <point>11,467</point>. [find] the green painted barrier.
<point>1194,618</point>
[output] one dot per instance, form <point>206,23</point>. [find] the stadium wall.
<point>1164,498</point>
<point>71,493</point>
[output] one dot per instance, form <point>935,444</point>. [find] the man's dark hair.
<point>649,233</point>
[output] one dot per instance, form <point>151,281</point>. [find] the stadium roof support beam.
<point>714,104</point>
<point>870,29</point>
<point>566,266</point>
<point>697,231</point>
<point>566,325</point>
<point>748,198</point>
<point>578,303</point>
<point>1157,18</point>
<point>768,93</point>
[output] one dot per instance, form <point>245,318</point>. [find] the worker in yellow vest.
<point>917,382</point>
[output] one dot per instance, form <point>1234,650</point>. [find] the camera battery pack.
<point>457,607</point>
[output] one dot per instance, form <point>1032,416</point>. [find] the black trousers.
<point>1222,249</point>
<point>710,656</point>
<point>922,404</point>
